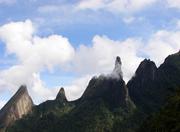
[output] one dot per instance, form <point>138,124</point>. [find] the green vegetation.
<point>167,119</point>
<point>87,117</point>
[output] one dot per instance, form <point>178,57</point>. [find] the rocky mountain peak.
<point>117,72</point>
<point>118,60</point>
<point>111,89</point>
<point>173,59</point>
<point>61,95</point>
<point>18,106</point>
<point>146,69</point>
<point>22,90</point>
<point>141,84</point>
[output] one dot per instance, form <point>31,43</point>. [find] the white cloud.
<point>17,37</point>
<point>115,6</point>
<point>77,87</point>
<point>20,40</point>
<point>174,3</point>
<point>33,53</point>
<point>101,56</point>
<point>162,44</point>
<point>39,90</point>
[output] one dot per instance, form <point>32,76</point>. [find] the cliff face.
<point>18,106</point>
<point>142,84</point>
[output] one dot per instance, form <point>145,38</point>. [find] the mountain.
<point>151,86</point>
<point>109,105</point>
<point>104,103</point>
<point>168,117</point>
<point>111,88</point>
<point>61,96</point>
<point>17,107</point>
<point>140,86</point>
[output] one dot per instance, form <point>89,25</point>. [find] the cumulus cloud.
<point>162,44</point>
<point>115,6</point>
<point>39,90</point>
<point>77,87</point>
<point>34,54</point>
<point>20,40</point>
<point>100,57</point>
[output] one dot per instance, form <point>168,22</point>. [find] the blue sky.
<point>86,36</point>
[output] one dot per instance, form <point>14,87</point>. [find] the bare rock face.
<point>18,106</point>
